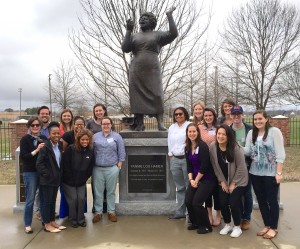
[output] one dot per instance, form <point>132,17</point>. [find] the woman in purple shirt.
<point>201,178</point>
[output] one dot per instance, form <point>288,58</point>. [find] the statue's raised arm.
<point>172,26</point>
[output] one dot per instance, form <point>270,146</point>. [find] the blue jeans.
<point>31,182</point>
<point>105,178</point>
<point>266,191</point>
<point>247,202</point>
<point>179,172</point>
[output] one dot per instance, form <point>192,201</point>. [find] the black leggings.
<point>194,200</point>
<point>230,205</point>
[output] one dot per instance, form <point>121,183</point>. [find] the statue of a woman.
<point>145,80</point>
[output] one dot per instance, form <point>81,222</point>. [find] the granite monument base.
<point>145,183</point>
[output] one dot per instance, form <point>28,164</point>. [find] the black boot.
<point>140,122</point>
<point>134,125</point>
<point>160,122</point>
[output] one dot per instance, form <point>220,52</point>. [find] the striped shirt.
<point>109,149</point>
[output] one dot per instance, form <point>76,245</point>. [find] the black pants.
<point>213,200</point>
<point>47,202</point>
<point>266,191</point>
<point>194,200</point>
<point>230,205</point>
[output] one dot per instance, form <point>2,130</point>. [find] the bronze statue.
<point>145,81</point>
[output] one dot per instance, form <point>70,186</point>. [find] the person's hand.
<point>41,145</point>
<point>224,187</point>
<point>194,184</point>
<point>129,24</point>
<point>278,178</point>
<point>231,187</point>
<point>170,11</point>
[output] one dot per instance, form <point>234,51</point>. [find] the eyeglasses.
<point>79,125</point>
<point>35,125</point>
<point>106,124</point>
<point>178,114</point>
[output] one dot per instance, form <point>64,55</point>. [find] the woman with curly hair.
<point>77,166</point>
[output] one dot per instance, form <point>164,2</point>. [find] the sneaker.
<point>97,218</point>
<point>245,224</point>
<point>236,232</point>
<point>74,225</point>
<point>226,229</point>
<point>83,224</point>
<point>112,217</point>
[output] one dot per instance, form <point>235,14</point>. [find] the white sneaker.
<point>236,232</point>
<point>226,229</point>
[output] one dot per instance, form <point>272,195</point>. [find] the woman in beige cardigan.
<point>228,161</point>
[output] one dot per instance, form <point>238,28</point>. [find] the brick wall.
<point>283,124</point>
<point>18,130</point>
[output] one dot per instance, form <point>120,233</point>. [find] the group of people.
<point>216,161</point>
<point>65,155</point>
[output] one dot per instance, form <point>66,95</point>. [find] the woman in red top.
<point>66,121</point>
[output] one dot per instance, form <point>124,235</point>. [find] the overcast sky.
<point>33,40</point>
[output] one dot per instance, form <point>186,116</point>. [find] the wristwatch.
<point>279,173</point>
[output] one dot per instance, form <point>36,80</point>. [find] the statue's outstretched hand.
<point>170,11</point>
<point>129,24</point>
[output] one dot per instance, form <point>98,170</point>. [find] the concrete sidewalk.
<point>146,231</point>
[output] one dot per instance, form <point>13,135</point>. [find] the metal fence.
<point>150,123</point>
<point>294,124</point>
<point>5,142</point>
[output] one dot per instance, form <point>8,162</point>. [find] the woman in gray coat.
<point>228,161</point>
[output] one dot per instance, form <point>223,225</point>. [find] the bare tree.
<point>290,84</point>
<point>65,87</point>
<point>98,45</point>
<point>259,40</point>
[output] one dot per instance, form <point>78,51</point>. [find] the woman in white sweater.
<point>265,146</point>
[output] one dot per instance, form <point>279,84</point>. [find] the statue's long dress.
<point>145,80</point>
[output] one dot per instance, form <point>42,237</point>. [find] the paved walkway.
<point>146,232</point>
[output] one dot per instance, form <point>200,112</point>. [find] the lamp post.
<point>50,102</point>
<point>20,91</point>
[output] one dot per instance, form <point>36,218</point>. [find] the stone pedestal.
<point>145,184</point>
<point>20,187</point>
<point>18,130</point>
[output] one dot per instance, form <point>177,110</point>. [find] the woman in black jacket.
<point>201,177</point>
<point>48,167</point>
<point>77,166</point>
<point>30,146</point>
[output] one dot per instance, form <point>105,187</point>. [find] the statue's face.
<point>144,22</point>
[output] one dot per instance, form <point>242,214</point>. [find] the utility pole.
<point>20,91</point>
<point>50,102</point>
